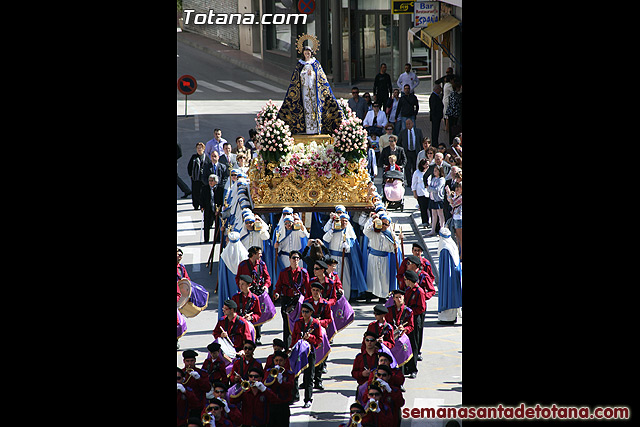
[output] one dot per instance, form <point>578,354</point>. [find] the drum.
<point>198,300</point>
<point>299,358</point>
<point>185,291</point>
<point>226,348</point>
<point>182,326</point>
<point>401,351</point>
<point>343,314</point>
<point>267,308</point>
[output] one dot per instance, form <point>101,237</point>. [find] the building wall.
<point>227,34</point>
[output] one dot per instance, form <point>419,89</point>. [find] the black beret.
<point>214,346</point>
<point>380,309</point>
<point>418,245</point>
<point>307,305</point>
<point>279,342</point>
<point>385,368</point>
<point>398,291</point>
<point>246,278</point>
<point>411,275</point>
<point>250,342</point>
<point>188,354</point>
<point>322,264</point>
<point>414,259</point>
<point>231,304</point>
<point>370,334</point>
<point>317,285</point>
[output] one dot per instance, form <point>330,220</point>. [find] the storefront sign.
<point>426,12</point>
<point>402,7</point>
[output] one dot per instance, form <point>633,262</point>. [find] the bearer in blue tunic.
<point>450,284</point>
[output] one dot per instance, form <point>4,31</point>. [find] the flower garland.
<point>272,133</point>
<point>278,146</point>
<point>351,137</point>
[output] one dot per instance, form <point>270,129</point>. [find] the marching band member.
<point>186,400</point>
<point>401,318</point>
<point>355,410</point>
<point>197,379</point>
<point>232,326</point>
<point>244,363</point>
<point>322,312</point>
<point>367,360</point>
<point>256,269</point>
<point>230,411</point>
<point>256,401</point>
<point>214,366</point>
<point>182,270</point>
<point>292,282</point>
<point>382,329</point>
<point>381,415</point>
<point>282,386</point>
<point>217,409</point>
<point>425,282</point>
<point>397,377</point>
<point>308,328</point>
<point>415,300</point>
<point>247,301</point>
<point>425,266</point>
<point>391,395</point>
<point>332,264</point>
<point>329,289</point>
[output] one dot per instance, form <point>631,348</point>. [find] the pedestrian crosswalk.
<point>227,86</point>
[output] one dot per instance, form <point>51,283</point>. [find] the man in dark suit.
<point>208,194</point>
<point>216,168</point>
<point>436,113</point>
<point>226,158</point>
<point>395,149</point>
<point>411,140</point>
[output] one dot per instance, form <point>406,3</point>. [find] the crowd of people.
<point>315,265</point>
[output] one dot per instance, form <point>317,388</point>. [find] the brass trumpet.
<point>355,419</point>
<point>206,418</point>
<point>373,406</point>
<point>275,371</point>
<point>187,375</point>
<point>246,385</point>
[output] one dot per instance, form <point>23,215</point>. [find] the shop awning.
<point>433,31</point>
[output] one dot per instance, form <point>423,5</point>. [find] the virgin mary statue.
<point>309,106</point>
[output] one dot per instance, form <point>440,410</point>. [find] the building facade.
<point>356,36</point>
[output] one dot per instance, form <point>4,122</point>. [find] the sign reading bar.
<point>402,7</point>
<point>426,12</point>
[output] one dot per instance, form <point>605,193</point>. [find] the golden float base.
<point>273,192</point>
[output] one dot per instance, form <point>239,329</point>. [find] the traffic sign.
<point>306,6</point>
<point>187,84</point>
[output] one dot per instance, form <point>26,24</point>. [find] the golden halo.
<point>304,37</point>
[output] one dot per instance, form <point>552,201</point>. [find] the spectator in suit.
<point>358,105</point>
<point>393,148</point>
<point>410,139</point>
<point>195,167</point>
<point>217,168</point>
<point>208,205</point>
<point>226,158</point>
<point>436,113</point>
<point>375,120</point>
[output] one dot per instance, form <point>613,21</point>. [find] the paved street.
<point>228,98</point>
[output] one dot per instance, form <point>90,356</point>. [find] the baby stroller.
<point>393,189</point>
